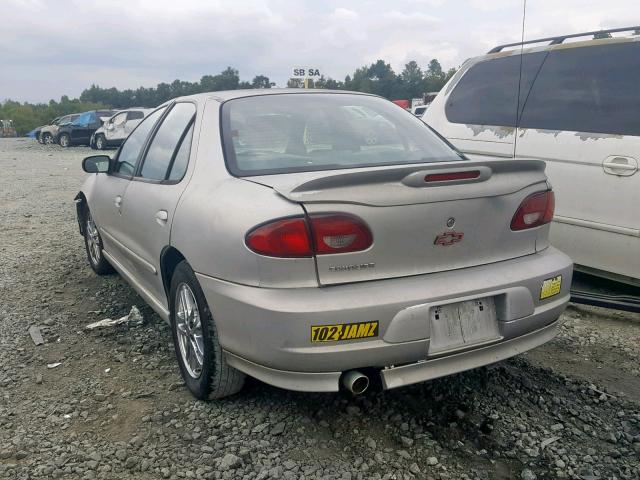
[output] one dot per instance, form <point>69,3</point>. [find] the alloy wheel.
<point>93,241</point>
<point>189,330</point>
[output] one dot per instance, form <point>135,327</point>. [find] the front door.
<point>154,194</point>
<point>105,204</point>
<point>115,127</point>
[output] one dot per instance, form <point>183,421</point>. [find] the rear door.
<point>582,118</point>
<point>478,108</point>
<point>153,195</point>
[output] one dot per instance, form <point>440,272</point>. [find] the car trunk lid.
<point>423,218</point>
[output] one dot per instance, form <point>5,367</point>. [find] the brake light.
<point>288,237</point>
<point>446,177</point>
<point>339,233</point>
<point>298,237</point>
<point>535,210</point>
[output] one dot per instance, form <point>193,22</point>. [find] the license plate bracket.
<point>455,326</point>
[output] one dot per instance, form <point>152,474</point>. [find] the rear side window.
<point>135,115</point>
<point>286,133</point>
<point>165,144</point>
<point>130,150</point>
<point>587,89</point>
<point>488,93</point>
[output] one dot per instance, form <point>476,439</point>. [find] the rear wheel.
<point>64,140</point>
<point>202,363</point>
<point>93,245</point>
<point>101,142</point>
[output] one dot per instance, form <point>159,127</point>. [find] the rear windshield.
<point>322,131</point>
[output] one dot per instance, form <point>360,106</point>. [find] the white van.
<point>575,105</point>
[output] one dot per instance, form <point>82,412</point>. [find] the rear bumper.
<point>266,332</point>
<point>393,377</point>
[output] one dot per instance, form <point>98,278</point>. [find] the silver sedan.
<point>321,240</point>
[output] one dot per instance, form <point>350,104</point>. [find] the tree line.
<point>377,78</point>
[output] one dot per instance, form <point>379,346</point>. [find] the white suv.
<point>117,128</point>
<point>575,105</point>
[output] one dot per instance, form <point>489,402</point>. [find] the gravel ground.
<point>116,408</point>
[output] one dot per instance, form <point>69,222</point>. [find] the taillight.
<point>535,210</point>
<point>322,234</point>
<point>339,233</point>
<point>288,237</point>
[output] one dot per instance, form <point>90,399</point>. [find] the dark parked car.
<point>80,130</point>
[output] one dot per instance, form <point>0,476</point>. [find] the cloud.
<point>50,49</point>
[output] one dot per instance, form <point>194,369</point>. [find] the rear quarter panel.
<point>217,210</point>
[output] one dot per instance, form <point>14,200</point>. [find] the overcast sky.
<point>53,48</point>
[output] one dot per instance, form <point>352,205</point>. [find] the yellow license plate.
<point>550,287</point>
<point>344,331</point>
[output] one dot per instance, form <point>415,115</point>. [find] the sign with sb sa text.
<point>305,72</point>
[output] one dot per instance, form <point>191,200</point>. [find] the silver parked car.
<point>280,242</point>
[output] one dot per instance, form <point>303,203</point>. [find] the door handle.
<point>118,201</point>
<point>162,216</point>
<point>622,166</point>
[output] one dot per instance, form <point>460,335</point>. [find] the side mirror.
<point>97,164</point>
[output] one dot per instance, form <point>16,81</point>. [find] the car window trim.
<point>136,175</point>
<point>187,129</point>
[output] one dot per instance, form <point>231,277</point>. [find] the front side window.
<point>488,93</point>
<point>164,146</point>
<point>119,119</point>
<point>130,150</point>
<point>587,89</point>
<point>320,131</point>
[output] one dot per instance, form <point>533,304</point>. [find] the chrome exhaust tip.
<point>356,382</point>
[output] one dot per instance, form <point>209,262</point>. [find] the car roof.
<point>516,50</point>
<point>224,95</point>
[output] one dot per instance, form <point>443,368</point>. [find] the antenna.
<point>524,16</point>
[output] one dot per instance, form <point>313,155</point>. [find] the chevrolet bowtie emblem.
<point>448,238</point>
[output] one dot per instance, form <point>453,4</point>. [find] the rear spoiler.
<point>409,184</point>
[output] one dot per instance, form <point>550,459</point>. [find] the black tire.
<point>47,139</point>
<point>64,140</point>
<point>100,142</point>
<point>98,263</point>
<point>216,379</point>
